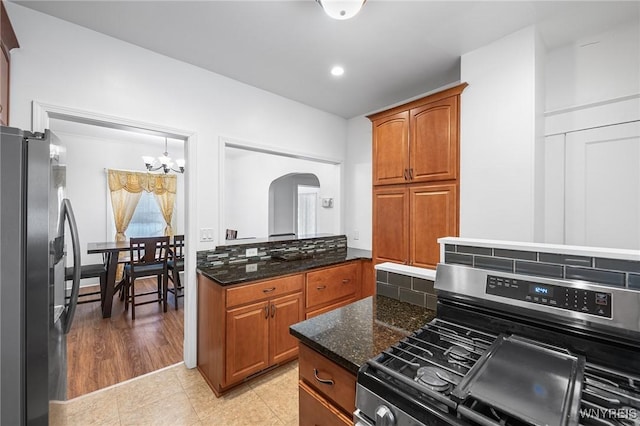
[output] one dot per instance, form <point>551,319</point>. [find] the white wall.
<point>597,68</point>
<point>248,176</point>
<point>67,65</point>
<point>357,182</point>
<point>498,139</point>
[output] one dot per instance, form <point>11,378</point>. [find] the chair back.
<point>148,251</point>
<point>178,247</point>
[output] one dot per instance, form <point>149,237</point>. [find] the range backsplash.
<point>599,270</point>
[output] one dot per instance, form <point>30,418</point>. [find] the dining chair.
<point>98,270</point>
<point>175,264</point>
<point>148,257</point>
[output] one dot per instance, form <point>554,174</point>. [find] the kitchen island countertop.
<point>241,272</point>
<point>351,335</point>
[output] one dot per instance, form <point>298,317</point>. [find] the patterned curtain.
<point>126,189</point>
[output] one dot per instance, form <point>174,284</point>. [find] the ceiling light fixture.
<point>337,71</point>
<point>164,162</point>
<point>341,9</point>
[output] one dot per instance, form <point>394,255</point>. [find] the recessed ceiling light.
<point>337,70</point>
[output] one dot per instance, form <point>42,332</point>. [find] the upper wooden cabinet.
<point>418,141</point>
<point>8,41</point>
<point>391,149</point>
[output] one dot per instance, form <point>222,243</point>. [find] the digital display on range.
<point>556,296</point>
<point>540,290</point>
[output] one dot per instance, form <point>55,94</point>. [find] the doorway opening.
<point>120,138</point>
<point>293,204</point>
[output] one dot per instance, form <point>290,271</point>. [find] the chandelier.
<point>164,162</point>
<point>341,9</point>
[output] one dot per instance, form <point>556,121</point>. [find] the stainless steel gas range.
<point>511,350</point>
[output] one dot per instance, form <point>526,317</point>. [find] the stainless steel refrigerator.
<point>35,315</point>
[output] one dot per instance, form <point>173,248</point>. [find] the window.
<point>147,220</point>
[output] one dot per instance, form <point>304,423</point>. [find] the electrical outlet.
<point>251,252</point>
<point>356,235</point>
<point>252,267</point>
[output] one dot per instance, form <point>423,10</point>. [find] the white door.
<point>602,187</point>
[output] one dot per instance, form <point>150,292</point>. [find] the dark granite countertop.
<point>270,268</point>
<point>351,335</point>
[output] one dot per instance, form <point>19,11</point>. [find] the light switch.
<point>206,234</point>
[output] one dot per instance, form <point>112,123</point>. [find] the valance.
<point>136,182</point>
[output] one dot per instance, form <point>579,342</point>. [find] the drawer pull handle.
<point>323,381</point>
<point>321,287</point>
<point>273,310</point>
<point>268,290</point>
<point>346,280</point>
<point>410,174</point>
<point>266,311</point>
<point>405,174</point>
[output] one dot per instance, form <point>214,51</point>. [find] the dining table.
<point>110,251</point>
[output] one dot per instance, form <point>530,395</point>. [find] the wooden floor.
<point>103,352</point>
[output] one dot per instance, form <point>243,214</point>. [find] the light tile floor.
<point>179,396</point>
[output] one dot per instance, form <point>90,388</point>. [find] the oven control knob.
<point>384,416</point>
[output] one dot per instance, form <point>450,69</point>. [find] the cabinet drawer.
<point>326,377</point>
<point>316,411</point>
<point>263,290</point>
<point>331,284</point>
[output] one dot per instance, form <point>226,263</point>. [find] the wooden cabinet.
<point>433,213</point>
<point>327,391</point>
<point>419,141</point>
<point>258,335</point>
<point>244,329</point>
<point>316,411</point>
<point>332,287</point>
<point>408,220</point>
<point>433,143</point>
<point>247,345</point>
<point>8,41</point>
<point>391,224</point>
<point>391,149</point>
<point>368,285</point>
<point>416,178</point>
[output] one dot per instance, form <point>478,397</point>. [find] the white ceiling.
<point>391,51</point>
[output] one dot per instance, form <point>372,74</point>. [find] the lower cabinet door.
<point>247,342</point>
<point>284,312</point>
<point>316,411</point>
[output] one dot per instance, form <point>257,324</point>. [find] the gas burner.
<point>434,378</point>
<point>458,355</point>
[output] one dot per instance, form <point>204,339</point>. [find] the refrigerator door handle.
<point>77,263</point>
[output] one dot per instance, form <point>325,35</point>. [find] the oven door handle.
<point>476,417</point>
